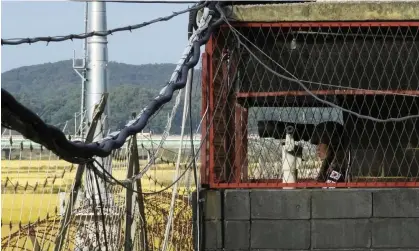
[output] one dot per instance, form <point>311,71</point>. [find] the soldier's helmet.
<point>330,133</point>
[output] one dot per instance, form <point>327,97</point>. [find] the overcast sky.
<point>158,43</point>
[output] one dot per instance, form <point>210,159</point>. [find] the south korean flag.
<point>333,178</point>
<point>335,175</point>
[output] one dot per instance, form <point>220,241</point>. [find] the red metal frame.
<point>209,50</point>
<point>244,183</point>
<point>240,120</point>
<point>277,184</point>
<point>204,125</point>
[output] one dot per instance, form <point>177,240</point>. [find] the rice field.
<point>30,188</point>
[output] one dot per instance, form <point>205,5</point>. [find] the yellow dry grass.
<point>22,203</point>
<point>33,163</point>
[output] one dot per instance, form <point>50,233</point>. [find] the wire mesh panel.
<point>33,179</point>
<point>312,105</point>
<point>37,188</point>
<point>137,198</point>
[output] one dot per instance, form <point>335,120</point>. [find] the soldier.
<point>331,149</point>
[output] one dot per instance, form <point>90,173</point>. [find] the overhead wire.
<point>81,152</point>
<point>18,41</point>
<point>141,1</point>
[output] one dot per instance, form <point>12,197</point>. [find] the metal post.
<point>96,86</point>
<point>288,159</point>
<point>130,227</point>
<point>129,216</point>
<point>84,80</point>
<point>97,65</point>
<point>140,200</point>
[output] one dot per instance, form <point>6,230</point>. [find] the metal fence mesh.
<point>36,188</point>
<point>340,91</point>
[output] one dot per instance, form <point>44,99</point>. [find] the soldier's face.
<point>322,151</point>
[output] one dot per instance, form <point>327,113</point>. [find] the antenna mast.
<point>81,70</point>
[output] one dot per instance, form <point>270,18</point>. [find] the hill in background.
<point>53,91</point>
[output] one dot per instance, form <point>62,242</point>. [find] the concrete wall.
<point>333,219</point>
<point>326,11</point>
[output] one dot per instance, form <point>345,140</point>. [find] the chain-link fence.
<point>307,104</point>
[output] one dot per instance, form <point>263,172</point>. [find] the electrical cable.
<point>77,152</point>
<point>94,210</point>
<point>135,191</point>
<point>192,25</point>
<point>102,213</point>
<point>164,189</point>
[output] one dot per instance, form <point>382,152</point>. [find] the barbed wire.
<point>108,177</point>
<point>18,41</point>
<point>27,122</point>
<point>141,1</point>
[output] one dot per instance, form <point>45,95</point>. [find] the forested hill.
<point>53,91</point>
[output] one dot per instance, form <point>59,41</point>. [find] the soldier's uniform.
<point>335,167</point>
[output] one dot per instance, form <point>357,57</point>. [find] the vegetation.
<point>53,91</point>
<point>23,204</point>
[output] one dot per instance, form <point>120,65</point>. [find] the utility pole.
<point>96,87</point>
<point>97,75</point>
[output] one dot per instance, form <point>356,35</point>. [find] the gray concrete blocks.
<point>237,235</point>
<point>280,234</point>
<point>396,203</point>
<point>335,204</point>
<point>213,235</point>
<point>358,249</point>
<point>237,205</point>
<point>320,220</point>
<point>280,204</point>
<point>347,233</point>
<point>395,233</point>
<point>212,208</point>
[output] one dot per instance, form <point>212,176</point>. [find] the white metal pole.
<point>97,65</point>
<point>288,160</point>
<point>96,86</point>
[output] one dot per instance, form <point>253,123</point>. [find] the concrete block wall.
<point>305,219</point>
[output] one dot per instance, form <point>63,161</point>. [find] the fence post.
<point>130,228</point>
<point>140,197</point>
<point>129,216</point>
